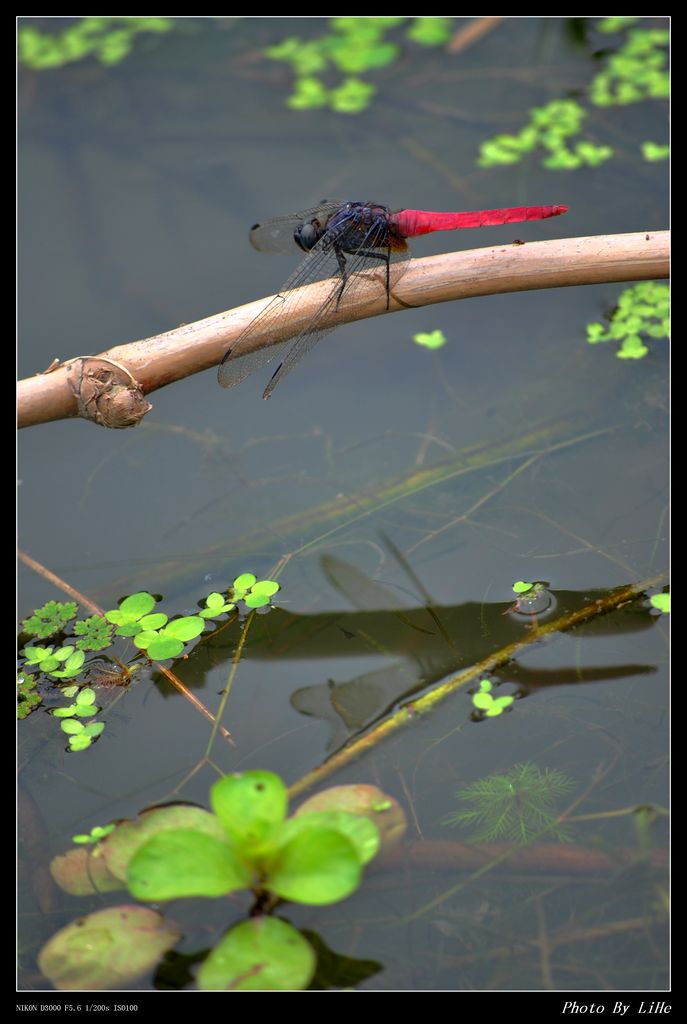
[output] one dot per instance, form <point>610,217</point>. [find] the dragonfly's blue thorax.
<point>351,227</point>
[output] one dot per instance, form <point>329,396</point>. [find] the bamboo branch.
<point>116,381</point>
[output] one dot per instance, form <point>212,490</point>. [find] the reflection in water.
<point>433,642</point>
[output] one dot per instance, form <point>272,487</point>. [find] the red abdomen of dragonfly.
<point>409,223</point>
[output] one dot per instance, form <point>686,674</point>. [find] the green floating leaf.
<point>70,726</point>
<point>652,151</point>
<point>521,587</point>
<point>250,806</point>
<point>352,96</point>
<point>36,655</point>
<point>185,862</point>
<point>85,710</point>
<point>118,849</point>
<point>81,741</point>
<point>64,712</point>
<point>499,705</point>
<point>163,647</point>
<point>632,348</point>
<point>482,701</point>
<point>431,31</point>
<point>316,867</point>
<point>433,340</point>
<point>216,605</point>
<point>131,611</point>
<point>267,587</point>
<point>309,93</point>
<point>137,605</point>
<point>106,949</point>
<point>662,602</point>
<point>154,621</point>
<point>244,582</point>
<point>263,954</point>
<point>186,628</point>
<point>144,638</point>
<point>73,663</point>
<point>94,729</point>
<point>359,830</point>
<point>385,812</point>
<point>485,702</point>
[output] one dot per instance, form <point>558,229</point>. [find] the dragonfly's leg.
<point>341,260</point>
<point>386,258</point>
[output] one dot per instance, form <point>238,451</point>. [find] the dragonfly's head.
<point>308,234</point>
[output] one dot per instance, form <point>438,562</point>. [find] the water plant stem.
<point>227,689</point>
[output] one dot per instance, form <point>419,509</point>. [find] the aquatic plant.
<point>487,706</point>
<point>641,310</point>
<point>135,618</point>
<point>636,71</point>
<point>518,806</point>
<point>315,857</point>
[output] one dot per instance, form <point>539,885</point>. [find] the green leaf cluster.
<point>48,660</point>
<point>108,39</point>
<point>246,588</point>
<point>80,736</point>
<point>95,632</point>
<point>518,807</point>
<point>97,833</point>
<point>549,128</point>
<point>488,706</point>
<point>27,698</point>
<point>50,619</point>
<point>637,71</point>
<point>352,47</point>
<point>641,310</point>
<point>152,631</point>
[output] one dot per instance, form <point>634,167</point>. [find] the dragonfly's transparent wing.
<point>246,355</point>
<point>244,358</point>
<point>317,330</point>
<point>276,235</point>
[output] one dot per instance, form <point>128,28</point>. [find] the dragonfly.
<point>341,240</point>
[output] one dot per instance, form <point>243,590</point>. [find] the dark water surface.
<point>138,184</point>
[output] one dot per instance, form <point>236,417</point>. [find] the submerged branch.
<point>116,381</point>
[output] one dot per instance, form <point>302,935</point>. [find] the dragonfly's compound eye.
<point>308,235</point>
